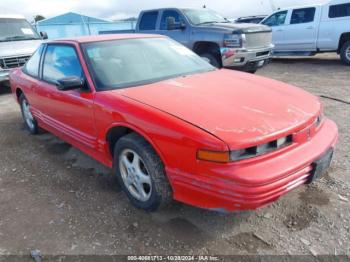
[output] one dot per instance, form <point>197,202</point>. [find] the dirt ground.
<point>56,199</point>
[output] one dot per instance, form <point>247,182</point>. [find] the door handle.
<point>310,27</point>
<point>279,30</point>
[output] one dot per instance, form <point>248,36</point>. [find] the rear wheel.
<point>345,53</point>
<point>29,120</point>
<point>213,60</point>
<point>141,173</point>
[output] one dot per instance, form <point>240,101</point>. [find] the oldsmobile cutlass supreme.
<point>172,126</point>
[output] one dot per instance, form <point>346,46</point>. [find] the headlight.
<point>232,40</point>
<point>262,149</point>
<point>254,151</point>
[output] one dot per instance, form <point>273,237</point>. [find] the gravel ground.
<point>58,200</point>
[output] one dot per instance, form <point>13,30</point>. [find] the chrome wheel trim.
<point>135,175</point>
<point>347,53</point>
<point>28,117</point>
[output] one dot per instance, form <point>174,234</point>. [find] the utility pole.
<point>272,4</point>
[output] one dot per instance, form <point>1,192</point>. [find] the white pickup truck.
<point>18,41</point>
<point>312,29</point>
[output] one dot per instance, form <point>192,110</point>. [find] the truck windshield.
<point>131,62</point>
<point>204,16</point>
<point>13,29</point>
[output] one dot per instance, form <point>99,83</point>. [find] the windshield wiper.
<point>213,22</point>
<point>209,22</point>
<point>18,38</point>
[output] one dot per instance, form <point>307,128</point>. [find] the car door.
<point>277,22</point>
<point>180,32</point>
<point>68,112</point>
<point>302,29</point>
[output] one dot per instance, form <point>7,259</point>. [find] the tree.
<point>38,18</point>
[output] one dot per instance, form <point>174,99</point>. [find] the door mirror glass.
<point>69,83</point>
<point>170,22</point>
<point>173,25</point>
<point>44,35</point>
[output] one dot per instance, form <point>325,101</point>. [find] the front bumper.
<point>241,57</point>
<point>255,183</point>
<point>4,75</point>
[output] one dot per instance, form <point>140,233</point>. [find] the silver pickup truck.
<point>18,41</point>
<point>239,46</point>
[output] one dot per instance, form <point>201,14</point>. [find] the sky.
<point>119,9</point>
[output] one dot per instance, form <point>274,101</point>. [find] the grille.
<point>13,62</point>
<point>258,40</point>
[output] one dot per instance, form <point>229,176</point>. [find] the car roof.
<point>108,37</point>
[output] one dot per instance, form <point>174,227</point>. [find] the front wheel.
<point>213,60</point>
<point>345,53</point>
<point>141,173</point>
<point>29,120</point>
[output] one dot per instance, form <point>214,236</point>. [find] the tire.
<point>345,53</point>
<point>29,120</point>
<point>253,71</point>
<point>149,169</point>
<point>213,60</point>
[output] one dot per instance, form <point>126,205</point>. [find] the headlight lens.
<point>232,40</point>
<point>240,154</point>
<point>258,150</point>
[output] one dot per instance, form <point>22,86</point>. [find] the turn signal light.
<point>213,156</point>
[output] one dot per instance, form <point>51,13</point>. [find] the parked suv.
<point>18,41</point>
<point>240,46</point>
<point>312,29</point>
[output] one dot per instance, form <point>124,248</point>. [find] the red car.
<point>173,127</point>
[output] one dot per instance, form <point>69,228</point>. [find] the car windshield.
<point>204,16</point>
<point>12,29</point>
<point>130,62</point>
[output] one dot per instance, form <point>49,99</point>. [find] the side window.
<point>60,61</point>
<point>32,65</point>
<point>303,15</point>
<point>149,21</point>
<point>166,14</point>
<point>342,10</point>
<point>276,19</point>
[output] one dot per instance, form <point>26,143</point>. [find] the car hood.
<point>239,108</point>
<point>240,28</point>
<point>18,48</point>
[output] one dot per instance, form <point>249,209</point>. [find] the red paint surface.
<point>221,110</point>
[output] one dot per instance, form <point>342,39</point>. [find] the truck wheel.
<point>141,173</point>
<point>28,118</point>
<point>252,71</point>
<point>214,61</point>
<point>345,53</point>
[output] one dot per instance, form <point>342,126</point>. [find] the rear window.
<point>149,21</point>
<point>303,15</point>
<point>339,10</point>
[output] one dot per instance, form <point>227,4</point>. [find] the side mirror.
<point>44,35</point>
<point>70,83</point>
<point>170,23</point>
